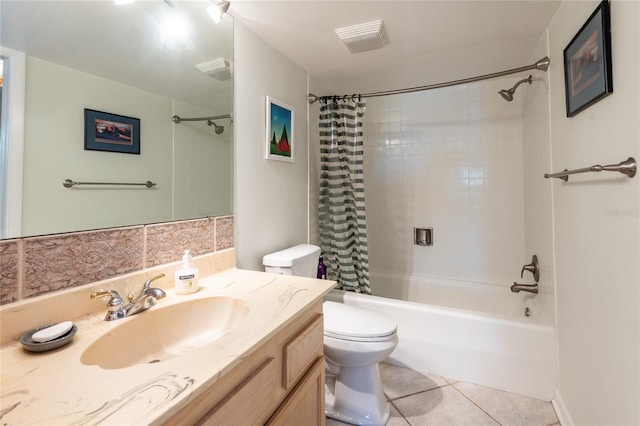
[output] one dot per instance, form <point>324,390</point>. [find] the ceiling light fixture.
<point>218,9</point>
<point>362,37</point>
<point>119,2</point>
<point>174,29</point>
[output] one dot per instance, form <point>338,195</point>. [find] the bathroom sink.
<point>161,333</point>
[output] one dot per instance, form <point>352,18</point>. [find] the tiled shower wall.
<point>450,159</point>
<point>38,265</point>
<point>538,202</point>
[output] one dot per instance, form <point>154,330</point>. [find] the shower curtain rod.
<point>542,65</point>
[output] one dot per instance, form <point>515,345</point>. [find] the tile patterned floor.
<point>419,399</point>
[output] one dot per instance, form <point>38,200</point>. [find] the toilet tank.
<point>300,260</point>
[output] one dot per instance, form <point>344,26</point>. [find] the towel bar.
<point>68,183</point>
<point>627,167</point>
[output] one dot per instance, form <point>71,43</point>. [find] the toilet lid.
<point>349,321</point>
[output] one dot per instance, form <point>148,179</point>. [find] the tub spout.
<point>531,288</point>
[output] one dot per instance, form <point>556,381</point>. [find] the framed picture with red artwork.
<point>587,62</point>
<point>280,141</point>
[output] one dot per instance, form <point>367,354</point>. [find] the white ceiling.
<point>125,43</point>
<point>431,41</point>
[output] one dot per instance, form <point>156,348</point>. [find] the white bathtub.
<point>493,345</point>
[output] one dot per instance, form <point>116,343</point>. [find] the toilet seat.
<point>357,325</point>
<point>360,339</point>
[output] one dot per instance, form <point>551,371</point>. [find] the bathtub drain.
<point>527,312</point>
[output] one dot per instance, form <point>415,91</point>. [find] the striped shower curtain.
<point>342,218</point>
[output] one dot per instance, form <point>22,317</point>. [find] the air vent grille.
<point>363,37</point>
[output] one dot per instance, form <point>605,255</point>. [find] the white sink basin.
<point>161,333</point>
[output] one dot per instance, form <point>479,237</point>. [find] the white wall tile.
<point>445,159</point>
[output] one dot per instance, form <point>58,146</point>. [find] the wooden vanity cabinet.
<point>305,405</point>
<point>279,383</point>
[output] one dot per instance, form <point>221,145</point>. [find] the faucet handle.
<point>533,267</point>
<point>147,284</point>
<point>114,300</point>
<point>115,305</point>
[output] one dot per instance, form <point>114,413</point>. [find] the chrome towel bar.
<point>68,183</point>
<point>627,167</point>
<point>177,119</point>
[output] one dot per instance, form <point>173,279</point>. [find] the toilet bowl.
<point>355,341</point>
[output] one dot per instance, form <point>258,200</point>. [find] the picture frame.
<point>587,62</point>
<point>280,119</point>
<point>104,131</point>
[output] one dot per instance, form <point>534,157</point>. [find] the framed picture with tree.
<point>280,141</point>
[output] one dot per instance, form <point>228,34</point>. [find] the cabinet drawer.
<point>259,388</point>
<point>302,351</point>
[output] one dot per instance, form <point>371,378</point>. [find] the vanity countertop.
<point>57,388</point>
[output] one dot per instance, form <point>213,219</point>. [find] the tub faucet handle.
<point>533,267</point>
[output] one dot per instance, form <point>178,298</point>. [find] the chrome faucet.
<point>531,288</point>
<point>115,305</point>
<point>116,308</point>
<point>146,298</point>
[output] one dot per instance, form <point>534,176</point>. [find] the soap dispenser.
<point>186,277</point>
<point>322,269</point>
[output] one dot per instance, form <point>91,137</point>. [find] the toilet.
<point>355,341</point>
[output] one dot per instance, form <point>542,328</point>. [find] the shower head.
<point>508,94</point>
<point>218,129</point>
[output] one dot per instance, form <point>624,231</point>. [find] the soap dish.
<point>29,344</point>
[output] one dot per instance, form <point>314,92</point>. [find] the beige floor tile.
<point>396,419</point>
<point>334,422</point>
<point>443,406</point>
<point>399,381</point>
<point>508,408</point>
<point>450,381</point>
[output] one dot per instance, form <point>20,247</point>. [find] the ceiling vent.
<point>219,68</point>
<point>362,37</point>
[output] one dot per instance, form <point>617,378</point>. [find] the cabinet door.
<point>300,353</point>
<point>305,404</point>
<point>251,400</point>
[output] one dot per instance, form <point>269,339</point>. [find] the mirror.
<point>134,60</point>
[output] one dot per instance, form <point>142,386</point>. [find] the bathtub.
<point>467,332</point>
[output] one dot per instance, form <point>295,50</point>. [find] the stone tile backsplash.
<point>37,265</point>
<point>9,270</point>
<point>167,242</point>
<point>224,232</point>
<point>56,262</point>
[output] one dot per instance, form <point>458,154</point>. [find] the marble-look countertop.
<point>56,388</point>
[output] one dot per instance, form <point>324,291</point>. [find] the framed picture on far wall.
<point>110,132</point>
<point>587,62</point>
<point>280,142</point>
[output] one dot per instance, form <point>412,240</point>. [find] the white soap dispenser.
<point>186,277</point>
